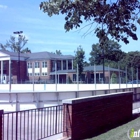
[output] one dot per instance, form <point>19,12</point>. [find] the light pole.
<point>18,47</point>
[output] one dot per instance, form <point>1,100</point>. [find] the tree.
<point>132,62</point>
<point>116,18</point>
<point>79,59</point>
<point>26,50</point>
<point>14,46</point>
<point>110,52</point>
<point>86,64</point>
<point>114,78</point>
<point>58,52</point>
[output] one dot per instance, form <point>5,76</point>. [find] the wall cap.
<point>91,98</point>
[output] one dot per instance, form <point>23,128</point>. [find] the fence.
<point>91,74</point>
<point>34,124</point>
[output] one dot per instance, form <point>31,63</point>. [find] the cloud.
<point>3,6</point>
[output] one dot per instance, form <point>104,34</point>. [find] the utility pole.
<point>19,49</point>
<point>103,57</point>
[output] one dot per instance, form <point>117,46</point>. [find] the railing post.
<point>16,125</point>
<point>1,124</point>
<point>56,119</point>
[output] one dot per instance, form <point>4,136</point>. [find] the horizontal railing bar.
<point>39,109</point>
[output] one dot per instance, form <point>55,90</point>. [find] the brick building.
<point>46,67</point>
<point>34,66</point>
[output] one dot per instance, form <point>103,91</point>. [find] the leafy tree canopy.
<point>79,59</point>
<point>109,51</point>
<point>58,52</point>
<point>116,18</point>
<point>16,46</point>
<point>132,59</point>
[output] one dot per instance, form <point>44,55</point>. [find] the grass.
<point>120,133</point>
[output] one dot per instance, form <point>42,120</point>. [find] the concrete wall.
<point>63,87</point>
<point>89,116</point>
<point>23,99</point>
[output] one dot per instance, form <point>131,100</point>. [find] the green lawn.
<point>120,133</point>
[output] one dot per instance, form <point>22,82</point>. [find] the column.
<point>99,78</point>
<point>9,75</point>
<point>66,64</point>
<point>56,75</point>
<point>1,71</point>
<point>33,73</point>
<point>72,64</point>
<point>95,76</point>
<point>61,64</point>
<point>58,78</point>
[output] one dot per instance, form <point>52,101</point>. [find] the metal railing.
<point>34,124</point>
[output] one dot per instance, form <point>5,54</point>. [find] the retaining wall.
<point>89,116</point>
<point>23,100</point>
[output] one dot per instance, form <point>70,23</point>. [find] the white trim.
<point>11,58</point>
<point>4,58</point>
<point>3,54</point>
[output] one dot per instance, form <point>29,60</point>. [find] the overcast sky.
<point>46,33</point>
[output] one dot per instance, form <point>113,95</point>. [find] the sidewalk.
<point>55,137</point>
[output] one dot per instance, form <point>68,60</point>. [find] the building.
<point>34,66</point>
<point>46,67</point>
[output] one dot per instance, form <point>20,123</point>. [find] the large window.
<point>74,77</point>
<point>58,65</point>
<point>44,73</point>
<point>64,64</point>
<point>36,64</point>
<point>29,65</point>
<point>37,74</point>
<point>69,64</point>
<point>53,65</point>
<point>44,64</point>
<point>30,74</point>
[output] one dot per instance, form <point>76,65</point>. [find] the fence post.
<point>1,124</point>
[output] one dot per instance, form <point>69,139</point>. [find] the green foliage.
<point>86,63</point>
<point>110,51</point>
<point>26,50</point>
<point>69,81</point>
<point>79,59</point>
<point>113,78</point>
<point>115,18</point>
<point>132,59</point>
<point>58,52</point>
<point>14,46</point>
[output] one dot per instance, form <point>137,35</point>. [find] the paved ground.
<point>34,125</point>
<point>55,137</point>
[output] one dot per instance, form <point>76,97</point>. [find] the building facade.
<point>33,67</point>
<point>46,67</point>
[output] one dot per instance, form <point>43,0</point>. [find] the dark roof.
<point>14,53</point>
<point>99,68</point>
<point>48,55</point>
<point>39,55</point>
<point>63,72</point>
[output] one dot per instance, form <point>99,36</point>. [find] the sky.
<point>46,33</point>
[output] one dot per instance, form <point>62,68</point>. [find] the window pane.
<point>58,65</point>
<point>69,64</point>
<point>74,77</point>
<point>36,64</point>
<point>64,64</point>
<point>29,65</point>
<point>44,64</point>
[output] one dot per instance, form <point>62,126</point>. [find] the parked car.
<point>134,82</point>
